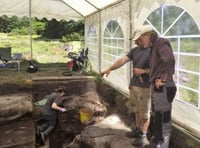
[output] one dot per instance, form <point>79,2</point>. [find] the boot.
<point>42,127</point>
<point>134,133</point>
<point>48,130</point>
<point>43,137</point>
<point>141,141</point>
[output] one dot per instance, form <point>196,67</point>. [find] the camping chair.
<point>5,56</point>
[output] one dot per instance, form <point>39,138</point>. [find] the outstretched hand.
<point>105,72</point>
<point>63,110</point>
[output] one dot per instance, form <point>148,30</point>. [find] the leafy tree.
<point>53,30</point>
<point>38,26</point>
<point>48,29</point>
<point>7,24</point>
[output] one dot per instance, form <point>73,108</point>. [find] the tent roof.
<point>49,9</point>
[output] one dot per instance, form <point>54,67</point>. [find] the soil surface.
<point>16,82</point>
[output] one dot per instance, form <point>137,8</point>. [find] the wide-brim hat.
<point>141,30</point>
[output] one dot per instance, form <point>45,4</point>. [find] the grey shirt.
<point>52,98</point>
<point>140,58</point>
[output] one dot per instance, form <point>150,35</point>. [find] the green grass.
<point>47,55</point>
<point>43,51</point>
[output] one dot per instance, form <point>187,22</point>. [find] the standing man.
<point>53,104</point>
<point>139,101</point>
<point>162,67</point>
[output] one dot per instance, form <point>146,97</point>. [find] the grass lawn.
<point>43,51</point>
<point>48,55</point>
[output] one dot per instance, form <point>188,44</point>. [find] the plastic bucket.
<point>85,115</point>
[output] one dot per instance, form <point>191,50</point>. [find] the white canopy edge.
<point>53,9</point>
<point>49,9</point>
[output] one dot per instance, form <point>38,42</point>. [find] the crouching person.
<point>52,106</point>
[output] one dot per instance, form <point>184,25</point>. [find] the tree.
<point>48,29</point>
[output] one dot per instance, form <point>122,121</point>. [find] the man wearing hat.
<point>162,67</point>
<point>53,104</point>
<point>139,102</point>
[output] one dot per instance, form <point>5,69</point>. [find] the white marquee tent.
<point>53,9</point>
<point>128,14</point>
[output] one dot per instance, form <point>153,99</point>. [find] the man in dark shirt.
<point>53,104</point>
<point>139,101</point>
<point>162,67</point>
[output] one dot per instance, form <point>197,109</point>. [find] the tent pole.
<point>30,22</point>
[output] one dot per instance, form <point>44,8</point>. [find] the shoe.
<point>153,143</point>
<point>133,134</point>
<point>142,141</point>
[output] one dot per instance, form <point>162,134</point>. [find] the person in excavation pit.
<point>139,88</point>
<point>50,109</point>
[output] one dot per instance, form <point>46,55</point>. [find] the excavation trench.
<point>110,117</point>
<point>20,112</point>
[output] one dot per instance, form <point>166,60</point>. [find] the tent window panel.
<point>170,14</point>
<point>92,44</point>
<point>184,26</point>
<point>189,96</point>
<point>189,80</point>
<point>191,63</point>
<point>105,41</point>
<point>112,39</point>
<point>190,45</point>
<point>121,43</point>
<point>155,18</point>
<point>120,52</point>
<point>176,59</point>
<point>105,49</point>
<point>112,27</point>
<point>115,42</point>
<point>92,40</point>
<point>109,50</point>
<point>115,51</point>
<point>113,46</point>
<point>175,75</point>
<point>106,33</point>
<point>118,33</point>
<point>93,52</point>
<point>105,57</point>
<point>174,44</point>
<point>91,31</point>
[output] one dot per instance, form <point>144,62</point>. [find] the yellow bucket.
<point>85,115</point>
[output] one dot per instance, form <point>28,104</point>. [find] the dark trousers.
<point>161,110</point>
<point>50,123</point>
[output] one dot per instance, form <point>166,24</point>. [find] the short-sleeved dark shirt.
<point>140,58</point>
<point>52,98</point>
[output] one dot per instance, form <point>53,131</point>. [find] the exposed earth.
<point>20,117</point>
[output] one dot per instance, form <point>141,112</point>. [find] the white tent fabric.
<point>52,9</point>
<point>48,9</point>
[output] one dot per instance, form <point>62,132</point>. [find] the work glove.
<point>63,110</point>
